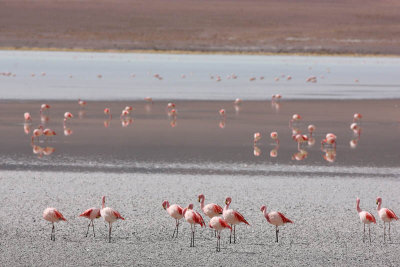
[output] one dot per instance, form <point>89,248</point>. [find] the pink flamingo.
<point>357,117</point>
<point>125,113</point>
<point>148,100</point>
<point>386,215</point>
<point>274,136</point>
<point>48,132</point>
<point>193,218</point>
<point>109,215</point>
<point>37,133</point>
<point>300,138</point>
<point>107,112</point>
<point>210,210</point>
<point>232,217</point>
<point>81,103</point>
<point>91,214</point>
<point>222,112</point>
<point>27,117</point>
<point>295,117</point>
<point>365,218</point>
<point>257,137</point>
<point>275,218</point>
<point>52,215</point>
<point>355,128</point>
<point>176,212</point>
<point>238,101</point>
<point>44,107</point>
<point>311,129</point>
<point>330,139</point>
<point>218,224</point>
<point>67,116</point>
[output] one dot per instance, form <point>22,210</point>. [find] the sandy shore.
<point>327,230</point>
<point>365,27</point>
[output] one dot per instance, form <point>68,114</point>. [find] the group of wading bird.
<point>229,219</point>
<point>328,145</point>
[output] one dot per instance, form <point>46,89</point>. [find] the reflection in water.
<point>40,151</point>
<point>67,131</point>
<point>311,141</point>
<point>27,128</point>
<point>44,119</point>
<point>125,122</point>
<point>274,152</point>
<point>330,141</point>
<point>256,151</point>
<point>257,137</point>
<point>354,142</point>
<point>356,132</point>
<point>47,151</point>
<point>173,123</point>
<point>81,114</point>
<point>107,123</point>
<point>222,124</point>
<point>236,105</point>
<point>300,155</point>
<point>330,154</point>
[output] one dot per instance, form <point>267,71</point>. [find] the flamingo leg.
<point>94,235</point>
<point>219,242</point>
<point>230,236</point>
<point>87,232</point>
<point>191,235</point>
<point>369,232</point>
<point>389,232</point>
<point>277,231</point>
<point>177,229</point>
<point>364,234</point>
<point>109,232</point>
<point>384,231</point>
<point>194,229</point>
<point>53,233</point>
<point>234,234</point>
<point>176,223</point>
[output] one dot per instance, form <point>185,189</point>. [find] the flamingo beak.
<point>199,199</point>
<point>377,202</point>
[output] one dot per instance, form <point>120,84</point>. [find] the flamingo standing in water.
<point>232,217</point>
<point>91,214</point>
<point>365,218</point>
<point>295,117</point>
<point>52,215</point>
<point>67,116</point>
<point>386,215</point>
<point>107,111</point>
<point>257,137</point>
<point>176,212</point>
<point>275,218</point>
<point>37,133</point>
<point>44,107</point>
<point>48,133</point>
<point>81,103</point>
<point>109,215</point>
<point>218,224</point>
<point>274,136</point>
<point>193,218</point>
<point>27,117</point>
<point>357,117</point>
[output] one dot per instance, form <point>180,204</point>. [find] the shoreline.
<point>195,52</point>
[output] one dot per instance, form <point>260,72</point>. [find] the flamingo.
<point>37,133</point>
<point>355,128</point>
<point>222,113</point>
<point>257,137</point>
<point>295,117</point>
<point>386,215</point>
<point>365,218</point>
<point>124,113</point>
<point>91,214</point>
<point>274,136</point>
<point>52,215</point>
<point>176,212</point>
<point>218,224</point>
<point>238,101</point>
<point>232,217</point>
<point>210,210</point>
<point>109,215</point>
<point>81,103</point>
<point>47,151</point>
<point>27,117</point>
<point>193,218</point>
<point>300,138</point>
<point>129,108</point>
<point>275,218</point>
<point>357,117</point>
<point>67,116</point>
<point>171,105</point>
<point>44,107</point>
<point>148,100</point>
<point>107,111</point>
<point>330,139</point>
<point>48,132</point>
<point>311,129</point>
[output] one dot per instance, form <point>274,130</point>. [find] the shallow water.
<point>378,77</point>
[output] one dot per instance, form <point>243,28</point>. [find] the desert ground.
<point>309,26</point>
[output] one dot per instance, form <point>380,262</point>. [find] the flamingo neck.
<point>379,205</point>
<point>167,204</point>
<point>202,203</point>
<point>266,214</point>
<point>103,203</point>
<point>358,207</point>
<point>226,206</point>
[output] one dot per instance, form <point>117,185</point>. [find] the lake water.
<point>378,77</point>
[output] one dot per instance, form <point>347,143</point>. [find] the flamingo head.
<point>165,204</point>
<point>201,197</point>
<point>263,207</point>
<point>378,200</point>
<point>190,206</point>
<point>103,200</point>
<point>358,201</point>
<point>228,200</point>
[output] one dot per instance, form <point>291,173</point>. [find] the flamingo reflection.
<point>27,128</point>
<point>256,151</point>
<point>300,155</point>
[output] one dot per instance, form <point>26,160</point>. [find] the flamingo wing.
<point>370,217</point>
<point>224,223</point>
<point>240,217</point>
<point>180,210</point>
<point>118,215</point>
<point>390,213</point>
<point>284,219</point>
<point>59,215</point>
<point>217,209</point>
<point>86,213</point>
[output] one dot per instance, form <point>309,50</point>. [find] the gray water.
<point>336,76</point>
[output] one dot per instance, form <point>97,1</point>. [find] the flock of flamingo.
<point>328,144</point>
<point>229,219</point>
